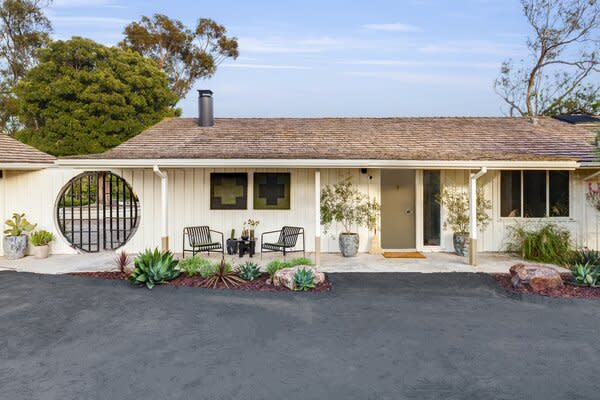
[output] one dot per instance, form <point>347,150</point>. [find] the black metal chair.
<point>199,239</point>
<point>288,238</point>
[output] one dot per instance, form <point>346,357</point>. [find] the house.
<point>220,172</point>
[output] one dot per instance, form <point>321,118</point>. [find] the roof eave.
<point>315,163</point>
<point>26,165</point>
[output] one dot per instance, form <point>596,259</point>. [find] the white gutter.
<point>25,166</point>
<point>315,163</point>
<point>473,215</point>
<point>164,214</point>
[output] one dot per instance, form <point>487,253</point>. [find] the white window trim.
<point>568,218</point>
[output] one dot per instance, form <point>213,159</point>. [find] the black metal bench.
<point>199,239</point>
<point>286,243</point>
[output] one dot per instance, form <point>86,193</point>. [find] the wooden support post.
<point>317,218</point>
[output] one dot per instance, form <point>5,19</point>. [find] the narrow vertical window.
<point>534,194</point>
<point>431,208</point>
<point>510,192</point>
<point>559,193</point>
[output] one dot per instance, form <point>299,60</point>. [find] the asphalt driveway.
<point>376,336</point>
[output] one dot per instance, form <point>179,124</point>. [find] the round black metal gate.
<point>97,211</point>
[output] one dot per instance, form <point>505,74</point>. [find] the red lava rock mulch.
<point>568,290</point>
<point>257,285</point>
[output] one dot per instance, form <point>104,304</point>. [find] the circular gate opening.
<point>97,211</point>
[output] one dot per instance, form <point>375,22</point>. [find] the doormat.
<point>403,254</point>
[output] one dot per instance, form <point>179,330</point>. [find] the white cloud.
<point>393,27</point>
<point>471,47</point>
<point>420,78</point>
<point>262,66</point>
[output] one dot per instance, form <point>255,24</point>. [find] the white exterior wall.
<point>35,193</point>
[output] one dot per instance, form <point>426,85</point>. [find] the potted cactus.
<point>15,239</point>
<point>232,243</point>
<point>40,241</point>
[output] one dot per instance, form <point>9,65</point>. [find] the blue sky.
<point>333,57</point>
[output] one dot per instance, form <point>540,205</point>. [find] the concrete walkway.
<point>330,262</point>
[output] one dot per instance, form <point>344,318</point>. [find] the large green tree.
<point>84,97</point>
<point>185,54</point>
<point>23,30</point>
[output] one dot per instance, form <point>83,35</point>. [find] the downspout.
<point>164,213</point>
<point>473,215</point>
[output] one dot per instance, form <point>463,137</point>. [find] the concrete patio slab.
<point>62,263</point>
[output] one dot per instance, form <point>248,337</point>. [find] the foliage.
<point>84,98</point>
<point>585,256</point>
<point>456,204</point>
<point>206,270</point>
<point>122,260</point>
<point>184,54</point>
<point>153,268</point>
<point>222,272</point>
<point>41,238</point>
<point>23,30</point>
<point>299,261</point>
<point>304,280</point>
<point>549,243</point>
<point>275,266</point>
<point>193,266</point>
<point>593,196</point>
<point>18,225</point>
<point>347,205</point>
<point>586,275</point>
<point>249,271</point>
<point>563,55</point>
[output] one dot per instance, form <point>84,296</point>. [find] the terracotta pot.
<point>40,251</point>
<point>349,244</point>
<point>14,246</point>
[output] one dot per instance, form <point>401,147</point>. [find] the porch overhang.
<point>318,163</point>
<point>25,166</point>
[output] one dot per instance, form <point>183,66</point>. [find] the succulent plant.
<point>249,271</point>
<point>222,272</point>
<point>41,238</point>
<point>18,225</point>
<point>304,280</point>
<point>153,268</point>
<point>586,275</point>
<point>193,265</point>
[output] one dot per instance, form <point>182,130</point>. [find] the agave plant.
<point>222,272</point>
<point>304,280</point>
<point>153,268</point>
<point>585,256</point>
<point>18,225</point>
<point>249,271</point>
<point>586,275</point>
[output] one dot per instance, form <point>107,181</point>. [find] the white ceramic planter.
<point>40,251</point>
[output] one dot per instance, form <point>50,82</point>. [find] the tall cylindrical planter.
<point>460,241</point>
<point>14,246</point>
<point>349,244</point>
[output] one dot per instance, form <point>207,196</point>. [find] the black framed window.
<point>534,194</point>
<point>431,208</point>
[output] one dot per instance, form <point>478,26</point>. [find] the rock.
<point>285,276</point>
<point>535,277</point>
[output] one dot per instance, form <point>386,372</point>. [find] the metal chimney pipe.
<point>205,108</point>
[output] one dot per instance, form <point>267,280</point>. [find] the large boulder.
<point>285,276</point>
<point>535,277</point>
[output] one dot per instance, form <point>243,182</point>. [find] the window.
<point>431,208</point>
<point>534,194</point>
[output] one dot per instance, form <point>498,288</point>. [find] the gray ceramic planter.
<point>14,246</point>
<point>349,244</point>
<point>460,240</point>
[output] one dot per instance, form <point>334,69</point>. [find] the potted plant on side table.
<point>232,243</point>
<point>456,206</point>
<point>350,207</point>
<point>15,239</point>
<point>40,241</point>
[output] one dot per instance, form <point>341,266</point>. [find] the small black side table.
<point>246,247</point>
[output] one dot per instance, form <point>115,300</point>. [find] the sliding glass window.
<point>431,208</point>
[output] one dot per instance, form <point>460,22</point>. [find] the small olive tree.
<point>347,205</point>
<point>456,204</point>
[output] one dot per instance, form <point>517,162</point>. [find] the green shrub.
<point>585,256</point>
<point>548,244</point>
<point>304,280</point>
<point>300,261</point>
<point>275,266</point>
<point>207,270</point>
<point>249,271</point>
<point>192,266</point>
<point>41,238</point>
<point>586,275</point>
<point>153,268</point>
